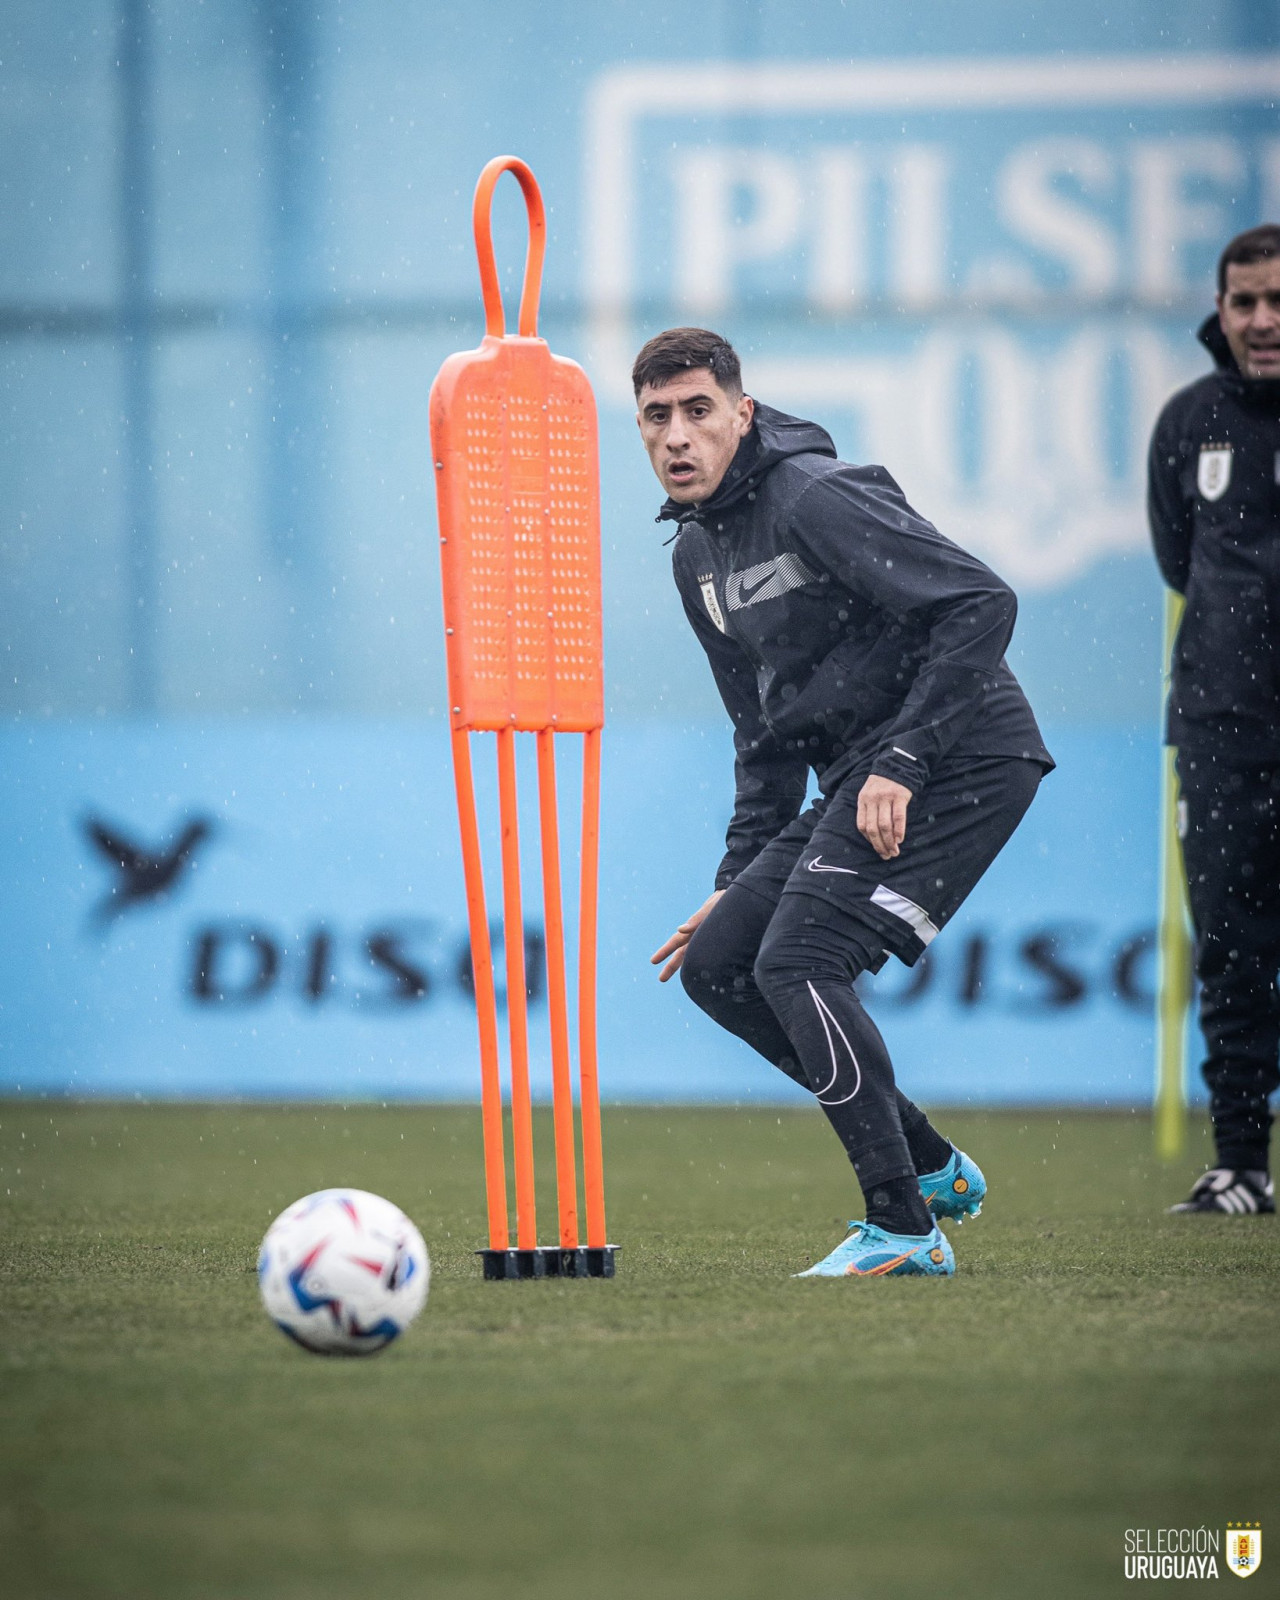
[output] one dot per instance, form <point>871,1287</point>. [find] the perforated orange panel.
<point>513,436</point>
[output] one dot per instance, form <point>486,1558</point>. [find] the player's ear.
<point>746,413</point>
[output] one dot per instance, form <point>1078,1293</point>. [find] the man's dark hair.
<point>679,350</point>
<point>1256,244</point>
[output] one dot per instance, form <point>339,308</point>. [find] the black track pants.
<point>774,961</point>
<point>1231,842</point>
<point>752,963</point>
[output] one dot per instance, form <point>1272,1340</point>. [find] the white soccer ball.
<point>343,1272</point>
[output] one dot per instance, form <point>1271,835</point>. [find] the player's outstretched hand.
<point>882,815</point>
<point>675,945</point>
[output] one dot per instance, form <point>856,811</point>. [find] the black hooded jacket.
<point>1214,506</point>
<point>844,632</point>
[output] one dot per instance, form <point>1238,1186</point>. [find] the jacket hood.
<point>1211,336</point>
<point>774,436</point>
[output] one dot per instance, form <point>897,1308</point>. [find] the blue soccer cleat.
<point>870,1252</point>
<point>958,1190</point>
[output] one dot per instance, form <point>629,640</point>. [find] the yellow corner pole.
<point>1173,946</point>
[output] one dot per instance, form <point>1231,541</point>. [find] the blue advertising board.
<point>277,910</point>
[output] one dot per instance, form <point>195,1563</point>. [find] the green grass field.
<point>703,1426</point>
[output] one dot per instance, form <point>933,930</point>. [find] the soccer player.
<point>1214,506</point>
<point>847,637</point>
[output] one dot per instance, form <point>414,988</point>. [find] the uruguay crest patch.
<point>707,585</point>
<point>1214,471</point>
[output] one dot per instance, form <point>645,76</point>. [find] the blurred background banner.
<point>236,248</point>
<point>272,908</point>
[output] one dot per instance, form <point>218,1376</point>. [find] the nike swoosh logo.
<point>829,1020</point>
<point>818,865</point>
<point>853,1271</point>
<point>745,593</point>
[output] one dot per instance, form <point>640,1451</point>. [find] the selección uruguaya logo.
<point>1244,1548</point>
<point>1193,1552</point>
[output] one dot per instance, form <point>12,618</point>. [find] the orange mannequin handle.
<point>495,319</point>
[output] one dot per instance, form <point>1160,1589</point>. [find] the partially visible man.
<point>1214,506</point>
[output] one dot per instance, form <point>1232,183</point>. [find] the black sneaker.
<point>1238,1193</point>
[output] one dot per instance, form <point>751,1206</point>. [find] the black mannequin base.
<point>550,1261</point>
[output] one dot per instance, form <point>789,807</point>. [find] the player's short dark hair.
<point>1255,244</point>
<point>679,350</point>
